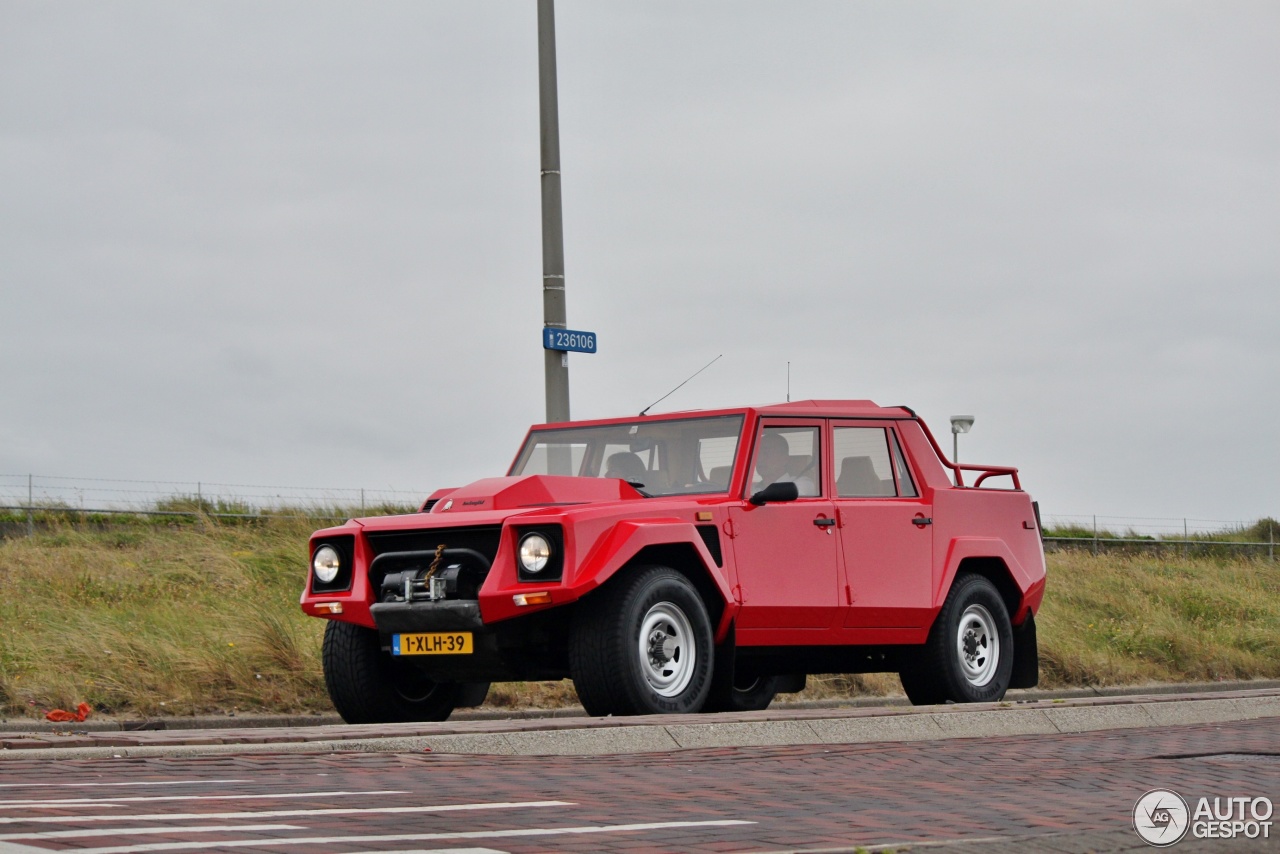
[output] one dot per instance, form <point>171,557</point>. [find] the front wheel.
<point>644,646</point>
<point>968,657</point>
<point>369,686</point>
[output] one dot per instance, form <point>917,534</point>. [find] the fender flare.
<point>963,548</point>
<point>621,543</point>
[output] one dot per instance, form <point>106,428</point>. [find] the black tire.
<point>670,673</point>
<point>968,657</point>
<point>744,692</point>
<point>369,686</point>
<point>921,686</point>
<point>472,694</point>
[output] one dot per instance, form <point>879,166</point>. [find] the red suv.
<point>686,562</point>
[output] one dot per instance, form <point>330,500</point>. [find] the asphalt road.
<point>981,783</point>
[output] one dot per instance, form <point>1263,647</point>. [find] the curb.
<point>660,733</point>
<point>318,719</point>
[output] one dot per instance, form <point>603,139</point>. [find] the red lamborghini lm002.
<point>690,561</point>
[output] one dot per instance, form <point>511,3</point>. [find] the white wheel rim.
<point>977,646</point>
<point>666,648</point>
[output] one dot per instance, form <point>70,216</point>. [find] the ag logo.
<point>1161,817</point>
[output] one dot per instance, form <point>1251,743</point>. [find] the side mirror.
<point>776,492</point>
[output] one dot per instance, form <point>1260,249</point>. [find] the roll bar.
<point>958,469</point>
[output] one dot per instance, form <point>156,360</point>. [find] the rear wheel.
<point>642,646</point>
<point>968,657</point>
<point>370,686</point>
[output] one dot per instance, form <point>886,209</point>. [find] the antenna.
<point>788,382</point>
<point>677,388</point>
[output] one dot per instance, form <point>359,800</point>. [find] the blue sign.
<point>569,340</point>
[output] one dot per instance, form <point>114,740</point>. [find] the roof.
<point>797,408</point>
<point>836,408</point>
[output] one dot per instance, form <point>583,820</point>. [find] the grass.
<point>1123,619</point>
<point>154,618</point>
<point>170,616</point>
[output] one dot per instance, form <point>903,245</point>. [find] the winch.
<point>413,585</point>
<point>426,576</point>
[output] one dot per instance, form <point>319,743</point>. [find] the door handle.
<point>822,522</point>
<point>921,521</point>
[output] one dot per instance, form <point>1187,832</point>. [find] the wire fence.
<point>1184,537</point>
<point>1144,526</point>
<point>31,494</point>
<point>1163,548</point>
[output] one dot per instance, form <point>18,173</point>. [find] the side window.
<point>906,488</point>
<point>862,463</point>
<point>788,455</point>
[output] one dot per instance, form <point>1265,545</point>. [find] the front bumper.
<point>524,649</point>
<point>444,615</point>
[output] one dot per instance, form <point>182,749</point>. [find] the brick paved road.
<point>1062,793</point>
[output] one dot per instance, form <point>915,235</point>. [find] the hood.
<point>531,492</point>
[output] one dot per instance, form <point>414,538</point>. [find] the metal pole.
<point>1095,535</point>
<point>31,525</point>
<point>553,303</point>
<point>955,447</point>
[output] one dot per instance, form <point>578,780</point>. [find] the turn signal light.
<point>540,598</point>
<point>329,608</point>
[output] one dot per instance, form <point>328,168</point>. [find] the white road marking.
<point>104,785</point>
<point>409,837</point>
<point>127,831</point>
<point>60,803</point>
<point>198,816</point>
<point>15,848</point>
<point>438,851</point>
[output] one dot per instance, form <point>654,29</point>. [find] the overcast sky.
<point>298,243</point>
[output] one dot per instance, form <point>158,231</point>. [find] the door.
<point>787,553</point>
<point>886,529</point>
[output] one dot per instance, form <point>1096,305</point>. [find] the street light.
<point>959,424</point>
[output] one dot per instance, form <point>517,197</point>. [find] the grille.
<point>483,540</point>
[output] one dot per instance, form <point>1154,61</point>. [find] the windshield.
<point>684,456</point>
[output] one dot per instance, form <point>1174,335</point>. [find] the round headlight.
<point>326,563</point>
<point>535,553</point>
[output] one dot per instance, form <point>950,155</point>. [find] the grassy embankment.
<point>179,618</point>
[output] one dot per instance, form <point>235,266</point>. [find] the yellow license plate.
<point>432,643</point>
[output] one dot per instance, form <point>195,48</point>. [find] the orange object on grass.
<point>62,716</point>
